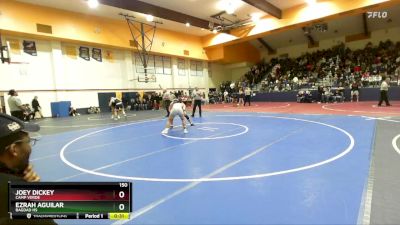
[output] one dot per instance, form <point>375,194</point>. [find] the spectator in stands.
<point>327,95</point>
<point>226,93</point>
<point>327,67</point>
<point>93,110</point>
<point>144,104</point>
<point>73,112</point>
<point>338,94</point>
<point>300,96</point>
<point>28,113</point>
<point>307,97</point>
<point>16,107</point>
<point>15,150</point>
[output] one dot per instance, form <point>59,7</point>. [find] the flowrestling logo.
<point>379,15</point>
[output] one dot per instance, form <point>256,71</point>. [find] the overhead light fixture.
<point>311,2</point>
<point>215,31</point>
<point>229,6</point>
<point>230,9</point>
<point>150,18</point>
<point>255,17</point>
<point>93,3</point>
<point>188,24</point>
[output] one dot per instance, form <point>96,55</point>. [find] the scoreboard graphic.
<point>71,200</point>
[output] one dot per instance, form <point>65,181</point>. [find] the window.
<point>181,67</point>
<point>193,66</point>
<point>209,70</point>
<point>138,64</point>
<point>150,64</point>
<point>196,68</point>
<point>199,69</point>
<point>155,64</point>
<point>159,65</point>
<point>167,65</point>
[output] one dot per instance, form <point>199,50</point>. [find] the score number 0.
<point>121,194</point>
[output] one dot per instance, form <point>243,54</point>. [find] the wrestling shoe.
<point>165,131</point>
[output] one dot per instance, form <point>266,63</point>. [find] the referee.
<point>247,96</point>
<point>384,92</point>
<point>197,101</point>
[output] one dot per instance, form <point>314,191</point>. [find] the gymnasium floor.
<point>271,163</point>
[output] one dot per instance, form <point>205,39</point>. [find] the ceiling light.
<point>215,31</point>
<point>255,17</point>
<point>188,24</point>
<point>93,3</point>
<point>149,18</point>
<point>311,2</point>
<point>229,6</point>
<point>230,9</point>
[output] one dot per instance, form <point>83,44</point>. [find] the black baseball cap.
<point>10,125</point>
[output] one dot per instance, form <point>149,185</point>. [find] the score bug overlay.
<point>70,200</point>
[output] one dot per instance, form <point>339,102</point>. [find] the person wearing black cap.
<point>15,150</point>
<point>16,107</point>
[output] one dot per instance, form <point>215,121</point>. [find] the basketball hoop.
<point>146,79</point>
<point>18,63</point>
<point>143,36</point>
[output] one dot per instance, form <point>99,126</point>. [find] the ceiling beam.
<point>156,11</point>
<point>267,46</point>
<point>266,7</point>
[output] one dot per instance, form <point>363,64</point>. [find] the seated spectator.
<point>338,96</point>
<point>300,96</point>
<point>28,113</point>
<point>136,104</point>
<point>144,104</point>
<point>307,97</point>
<point>327,95</point>
<point>72,112</point>
<point>93,110</point>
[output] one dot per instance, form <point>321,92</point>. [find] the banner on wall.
<point>84,53</point>
<point>96,54</point>
<point>109,55</point>
<point>70,51</point>
<point>15,47</point>
<point>30,47</point>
